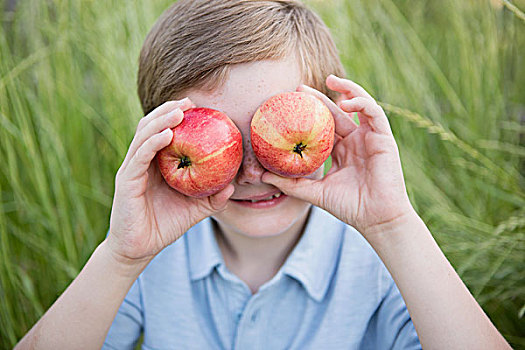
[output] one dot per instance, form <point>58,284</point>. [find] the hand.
<point>148,215</point>
<point>365,186</point>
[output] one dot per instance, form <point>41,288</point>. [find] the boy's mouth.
<point>265,200</point>
<point>254,200</point>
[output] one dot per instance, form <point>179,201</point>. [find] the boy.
<point>268,262</point>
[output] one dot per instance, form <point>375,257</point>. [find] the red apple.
<point>204,154</point>
<point>292,134</point>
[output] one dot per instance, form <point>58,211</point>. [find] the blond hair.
<point>194,42</point>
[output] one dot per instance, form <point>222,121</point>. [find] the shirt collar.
<point>314,259</point>
<point>312,262</point>
<point>204,253</point>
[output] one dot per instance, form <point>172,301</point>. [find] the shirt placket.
<point>249,328</point>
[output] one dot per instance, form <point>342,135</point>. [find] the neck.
<point>255,260</point>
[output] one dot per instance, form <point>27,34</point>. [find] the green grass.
<point>450,74</point>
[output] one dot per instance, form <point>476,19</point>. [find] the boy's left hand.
<point>365,186</point>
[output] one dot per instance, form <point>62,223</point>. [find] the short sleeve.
<point>391,326</point>
<point>127,325</point>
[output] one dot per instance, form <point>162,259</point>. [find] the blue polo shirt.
<point>333,292</point>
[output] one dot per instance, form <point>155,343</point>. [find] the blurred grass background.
<point>450,74</point>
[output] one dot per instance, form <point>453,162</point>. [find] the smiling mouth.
<point>277,195</point>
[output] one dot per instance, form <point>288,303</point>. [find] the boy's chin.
<point>258,234</point>
<point>290,219</point>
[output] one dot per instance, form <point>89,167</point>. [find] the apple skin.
<point>204,155</point>
<point>292,134</point>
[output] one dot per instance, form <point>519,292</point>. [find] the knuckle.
<point>168,106</point>
<point>159,123</point>
<point>118,176</point>
<point>140,156</point>
<point>156,140</point>
<point>377,108</point>
<point>138,140</point>
<point>370,104</point>
<point>206,206</point>
<point>143,135</point>
<point>142,123</point>
<point>149,150</point>
<point>162,107</point>
<point>212,206</point>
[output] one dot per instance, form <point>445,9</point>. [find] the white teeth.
<point>266,199</point>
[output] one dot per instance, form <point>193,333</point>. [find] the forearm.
<point>444,313</point>
<point>82,315</point>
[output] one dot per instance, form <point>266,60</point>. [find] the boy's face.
<point>246,88</point>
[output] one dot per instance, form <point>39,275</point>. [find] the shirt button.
<point>254,316</point>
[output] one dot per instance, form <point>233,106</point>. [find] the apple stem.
<point>299,148</point>
<point>184,162</point>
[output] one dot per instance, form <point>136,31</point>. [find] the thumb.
<point>308,190</point>
<point>217,202</point>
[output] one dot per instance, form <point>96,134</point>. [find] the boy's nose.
<point>251,170</point>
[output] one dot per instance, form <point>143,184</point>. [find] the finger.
<point>170,120</point>
<point>346,87</point>
<point>166,109</point>
<point>344,124</point>
<point>369,112</point>
<point>163,109</point>
<point>141,161</point>
<point>218,201</point>
<point>303,188</point>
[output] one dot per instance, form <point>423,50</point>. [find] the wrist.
<point>393,232</point>
<point>123,265</point>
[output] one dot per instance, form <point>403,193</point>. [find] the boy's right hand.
<point>148,215</point>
